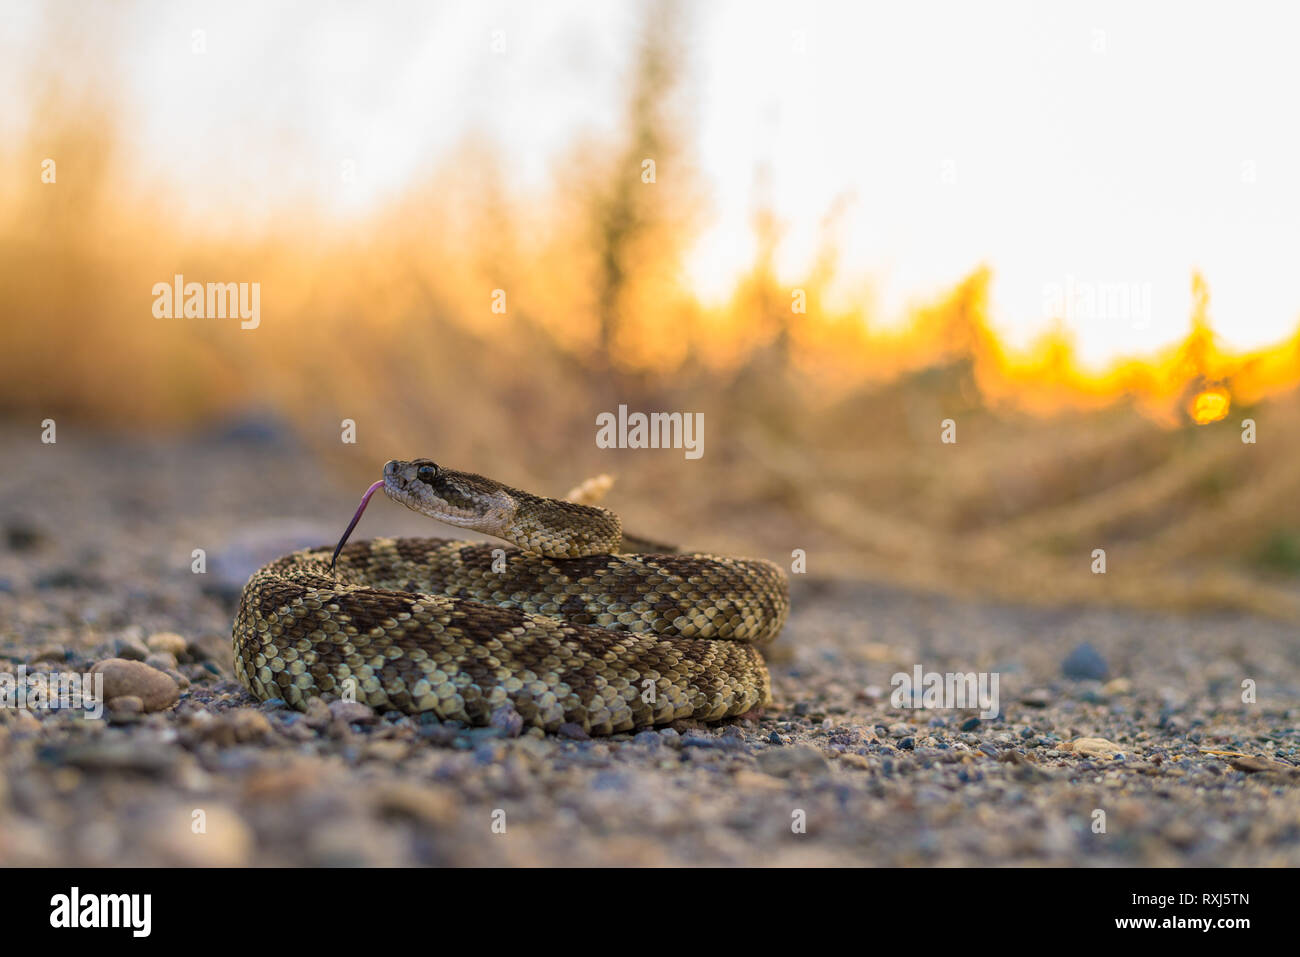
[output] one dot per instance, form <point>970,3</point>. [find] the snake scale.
<point>565,627</point>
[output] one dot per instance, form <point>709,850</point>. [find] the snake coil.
<point>564,627</point>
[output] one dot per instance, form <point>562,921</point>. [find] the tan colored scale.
<point>570,630</point>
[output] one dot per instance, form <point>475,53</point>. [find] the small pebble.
<point>317,714</point>
<point>162,660</point>
<point>507,720</point>
<point>800,759</point>
<point>155,689</point>
<point>130,649</point>
<point>240,726</point>
<point>1085,663</point>
<point>352,712</point>
<point>167,642</point>
<point>126,704</point>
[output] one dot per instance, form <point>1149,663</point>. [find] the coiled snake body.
<point>564,627</point>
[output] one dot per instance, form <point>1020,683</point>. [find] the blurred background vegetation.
<point>822,428</point>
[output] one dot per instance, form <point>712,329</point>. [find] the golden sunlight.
<point>1210,406</point>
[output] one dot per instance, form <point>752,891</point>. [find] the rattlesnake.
<point>565,628</point>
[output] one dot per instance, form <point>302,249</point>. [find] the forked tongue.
<point>365,500</point>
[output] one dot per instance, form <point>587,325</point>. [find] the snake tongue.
<point>365,500</point>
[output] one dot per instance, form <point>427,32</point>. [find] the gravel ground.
<point>98,539</point>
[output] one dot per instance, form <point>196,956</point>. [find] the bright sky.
<point>1099,147</point>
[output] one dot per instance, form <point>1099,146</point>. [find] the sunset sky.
<point>1059,144</point>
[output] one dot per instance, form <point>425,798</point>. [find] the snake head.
<point>462,499</point>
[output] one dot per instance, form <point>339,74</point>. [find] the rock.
<point>749,782</point>
<point>354,840</point>
<point>429,805</point>
<point>238,726</point>
<point>1084,663</point>
<point>127,704</point>
<point>255,427</point>
<point>131,649</point>
<point>800,759</point>
<point>286,781</point>
<point>1117,686</point>
<point>69,578</point>
<point>352,712</point>
<point>215,648</point>
<point>157,691</point>
<point>167,642</point>
<point>1172,723</point>
<point>1252,764</point>
<point>508,720</point>
<point>1094,747</point>
<point>970,724</point>
<point>440,735</point>
<point>317,714</point>
<point>388,750</point>
<point>146,757</point>
<point>572,731</point>
<point>22,537</point>
<point>871,694</point>
<point>53,653</point>
<point>1038,698</point>
<point>20,720</point>
<point>206,835</point>
<point>163,661</point>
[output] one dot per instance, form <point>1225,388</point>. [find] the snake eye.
<point>427,473</point>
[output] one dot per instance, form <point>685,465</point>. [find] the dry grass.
<point>822,430</point>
